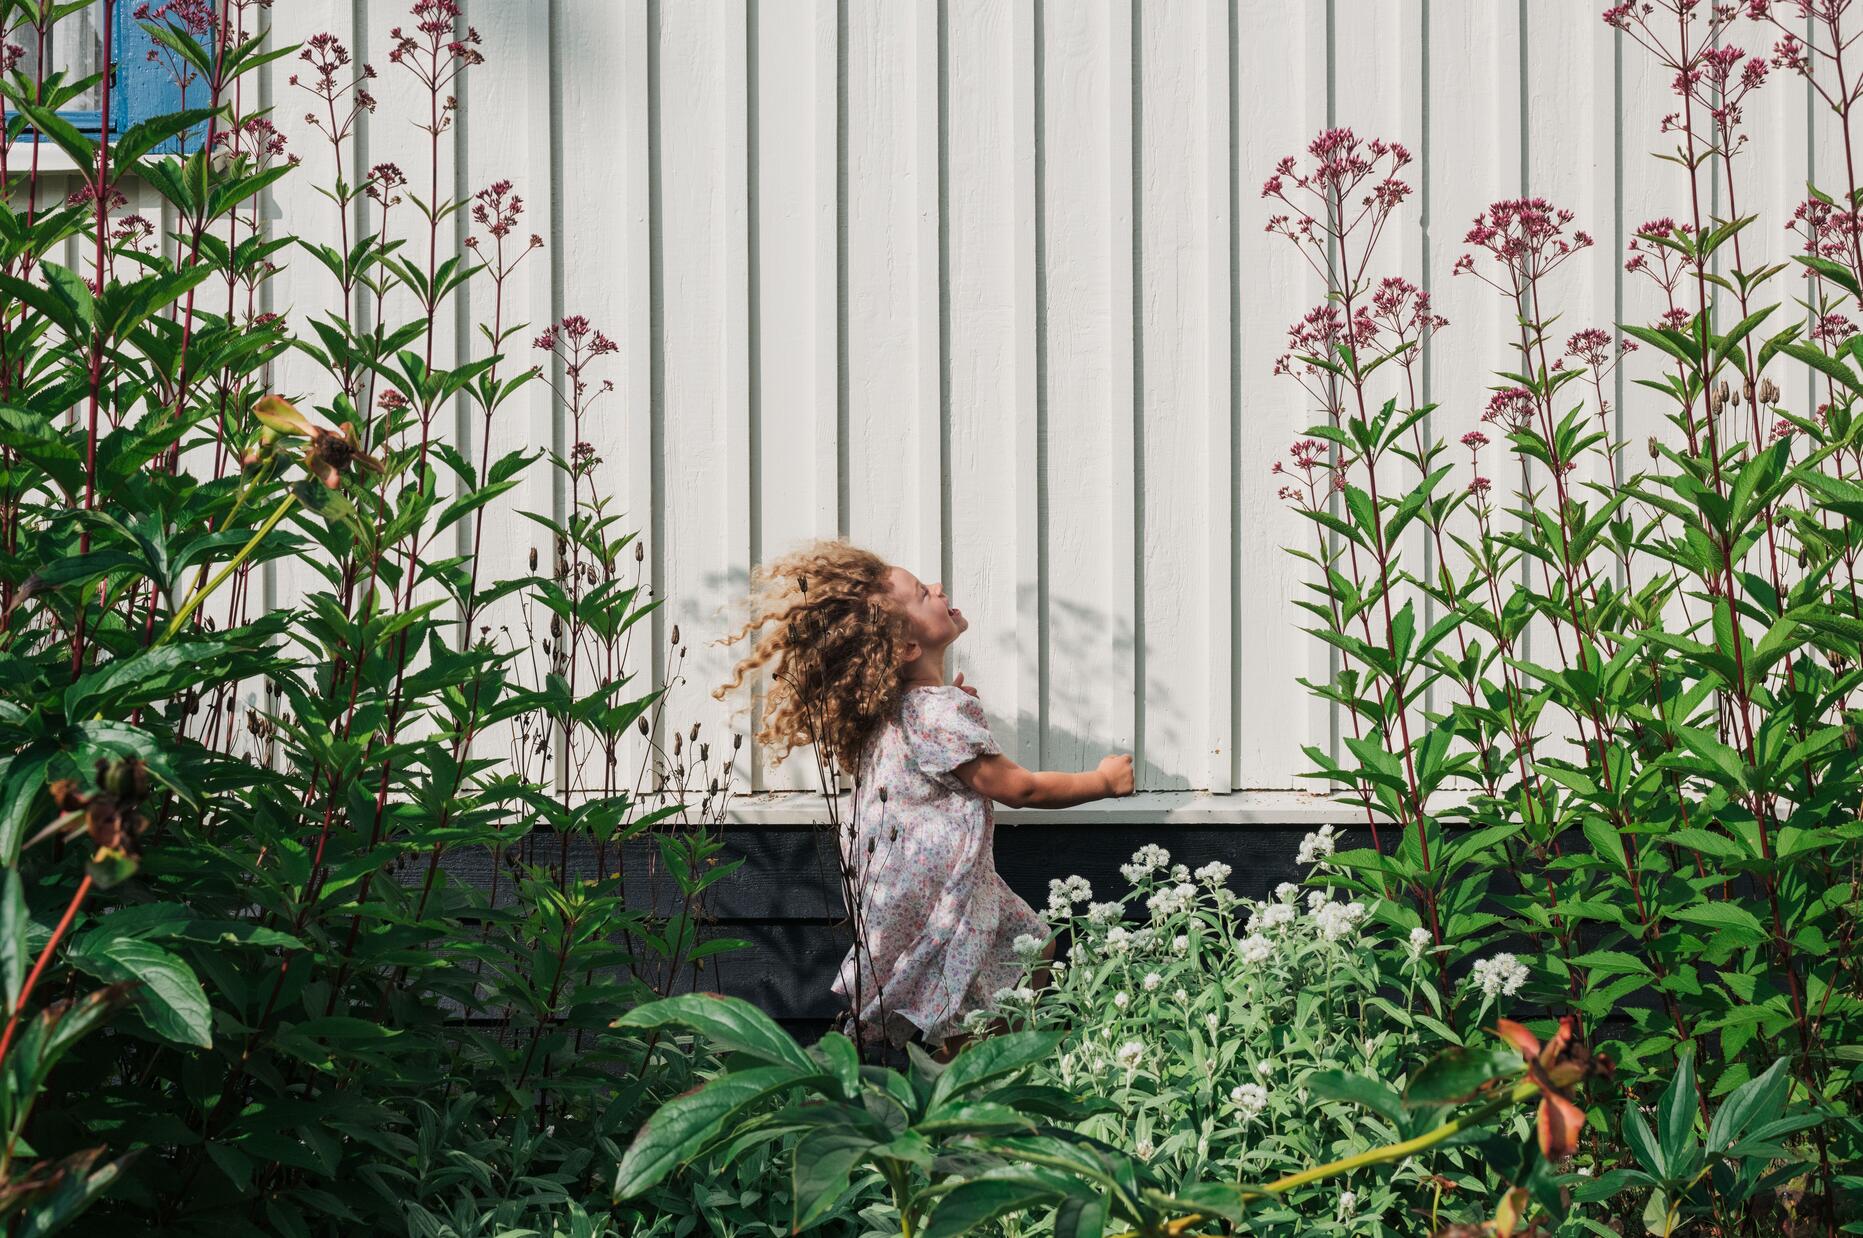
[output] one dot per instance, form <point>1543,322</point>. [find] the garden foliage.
<point>311,914</point>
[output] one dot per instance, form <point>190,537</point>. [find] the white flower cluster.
<point>1270,916</point>
<point>1103,914</point>
<point>1286,891</point>
<point>1145,861</point>
<point>1064,892</point>
<point>1250,1100</point>
<point>1315,847</point>
<point>1337,921</point>
<point>1168,901</point>
<point>1129,1054</point>
<point>1024,996</point>
<point>1501,975</point>
<point>1214,874</point>
<point>1028,946</point>
<point>1152,981</point>
<point>1419,941</point>
<point>1118,940</point>
<point>1256,949</point>
<point>1121,1000</point>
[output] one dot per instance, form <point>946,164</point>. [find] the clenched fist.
<point>1117,771</point>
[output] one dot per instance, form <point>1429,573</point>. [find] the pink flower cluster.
<point>1527,237</point>
<point>1316,474</point>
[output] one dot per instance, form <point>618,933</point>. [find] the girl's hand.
<point>961,686</point>
<point>1117,771</point>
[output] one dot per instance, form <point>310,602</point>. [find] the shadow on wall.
<point>1087,650</point>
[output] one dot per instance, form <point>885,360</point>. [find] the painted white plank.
<point>981,262</point>
<point>733,146</point>
<point>1276,117</point>
<point>1027,399</point>
<point>1086,694</point>
<point>696,218</point>
<point>1218,535</point>
<point>882,306</point>
<point>304,290</point>
<point>928,296</point>
<point>1174,240</point>
<point>1120,635</point>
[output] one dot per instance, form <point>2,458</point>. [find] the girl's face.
<point>932,622</point>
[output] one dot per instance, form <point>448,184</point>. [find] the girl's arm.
<point>1002,780</point>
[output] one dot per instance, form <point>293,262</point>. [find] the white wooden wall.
<point>984,285</point>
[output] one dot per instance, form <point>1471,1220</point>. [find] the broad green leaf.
<point>1359,1090</point>
<point>998,1194</point>
<point>1675,1113</point>
<point>1455,1075</point>
<point>14,959</point>
<point>730,1023</point>
<point>168,994</point>
<point>824,1161</point>
<point>686,1123</point>
<point>991,1058</point>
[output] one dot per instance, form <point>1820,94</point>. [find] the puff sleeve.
<point>945,727</point>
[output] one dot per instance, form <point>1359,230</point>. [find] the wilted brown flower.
<point>1557,1067</point>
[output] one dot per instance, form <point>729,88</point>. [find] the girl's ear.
<point>909,651</point>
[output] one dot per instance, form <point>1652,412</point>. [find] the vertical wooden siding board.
<point>830,211</point>
<point>1786,173</point>
<point>1276,61</point>
<point>1474,159</point>
<point>1119,685</point>
<point>304,289</point>
<point>1174,239</point>
<point>982,257</point>
<point>928,339</point>
<point>880,310</point>
<point>791,97</point>
<point>1028,479</point>
<point>508,94</point>
<point>1077,265</point>
<point>735,192</point>
<point>1219,535</point>
<point>632,31</point>
<point>702,256</point>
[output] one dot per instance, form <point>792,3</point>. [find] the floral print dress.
<point>935,932</point>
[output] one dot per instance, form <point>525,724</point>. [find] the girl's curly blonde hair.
<point>822,616</point>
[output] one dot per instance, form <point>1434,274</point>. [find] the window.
<point>144,85</point>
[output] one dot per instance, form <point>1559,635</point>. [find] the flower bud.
<point>678,742</point>
<point>675,639</point>
<point>694,737</point>
<point>641,722</point>
<point>1768,391</point>
<point>533,558</point>
<point>640,552</point>
<point>1655,451</point>
<point>737,741</point>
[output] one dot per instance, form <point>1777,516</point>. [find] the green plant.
<point>1609,723</point>
<point>1741,1152</point>
<point>968,1143</point>
<point>312,918</point>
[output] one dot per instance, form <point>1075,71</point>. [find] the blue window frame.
<point>141,84</point>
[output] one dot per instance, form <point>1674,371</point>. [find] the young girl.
<point>859,649</point>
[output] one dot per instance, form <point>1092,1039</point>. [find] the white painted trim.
<point>1292,809</point>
